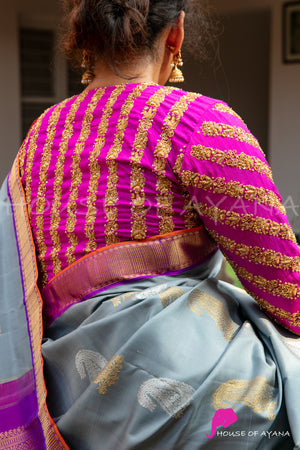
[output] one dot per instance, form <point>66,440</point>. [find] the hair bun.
<point>119,31</point>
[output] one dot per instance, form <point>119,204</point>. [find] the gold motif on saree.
<point>256,393</point>
<point>117,301</point>
<point>231,158</point>
<point>170,295</point>
<point>173,396</point>
<point>109,375</point>
<point>200,302</point>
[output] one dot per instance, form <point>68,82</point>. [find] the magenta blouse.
<point>133,161</point>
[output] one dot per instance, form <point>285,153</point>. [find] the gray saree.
<point>139,351</point>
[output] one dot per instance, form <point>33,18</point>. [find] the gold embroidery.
<point>232,188</point>
<point>137,183</point>
<point>292,318</point>
<point>58,182</point>
<point>226,109</point>
<point>259,255</point>
<point>275,287</point>
<point>111,196</point>
<point>77,175</point>
<point>256,393</point>
<point>170,295</point>
<point>41,200</point>
<point>22,154</point>
<point>109,375</point>
<point>200,301</point>
<point>117,301</point>
<point>178,164</point>
<point>231,158</point>
<point>191,216</point>
<point>165,196</point>
<point>229,131</point>
<point>95,169</point>
<point>29,162</point>
<point>247,222</point>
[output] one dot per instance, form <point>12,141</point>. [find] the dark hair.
<point>119,30</point>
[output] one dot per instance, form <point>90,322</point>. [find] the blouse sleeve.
<point>231,186</point>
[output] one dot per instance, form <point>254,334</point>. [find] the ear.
<point>176,34</point>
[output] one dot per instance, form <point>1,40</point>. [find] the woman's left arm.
<point>231,186</point>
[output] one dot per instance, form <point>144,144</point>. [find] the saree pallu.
<point>176,360</point>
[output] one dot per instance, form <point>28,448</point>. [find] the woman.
<point>124,195</point>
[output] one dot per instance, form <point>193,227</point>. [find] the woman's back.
<point>99,169</point>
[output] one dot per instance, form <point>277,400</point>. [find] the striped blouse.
<point>133,161</point>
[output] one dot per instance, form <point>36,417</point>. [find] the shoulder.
<point>202,107</point>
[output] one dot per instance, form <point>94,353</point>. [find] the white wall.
<point>284,112</point>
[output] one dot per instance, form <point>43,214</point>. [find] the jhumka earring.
<point>88,66</point>
<point>176,74</point>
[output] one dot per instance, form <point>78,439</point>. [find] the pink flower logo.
<point>225,417</point>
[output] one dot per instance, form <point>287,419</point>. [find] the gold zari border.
<point>124,262</point>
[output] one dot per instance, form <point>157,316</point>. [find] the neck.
<point>144,72</point>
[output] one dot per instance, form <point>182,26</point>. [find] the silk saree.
<point>158,354</point>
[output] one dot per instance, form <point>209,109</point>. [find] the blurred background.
<point>256,71</point>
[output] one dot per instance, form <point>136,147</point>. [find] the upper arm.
<point>230,182</point>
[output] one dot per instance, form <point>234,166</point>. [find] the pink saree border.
<point>42,428</point>
<point>167,254</point>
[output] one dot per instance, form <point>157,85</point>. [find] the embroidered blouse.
<point>133,161</point>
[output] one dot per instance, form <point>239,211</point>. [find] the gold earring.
<point>88,66</point>
<point>176,74</point>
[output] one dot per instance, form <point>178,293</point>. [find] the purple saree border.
<point>120,263</point>
<point>12,391</point>
<point>21,413</point>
